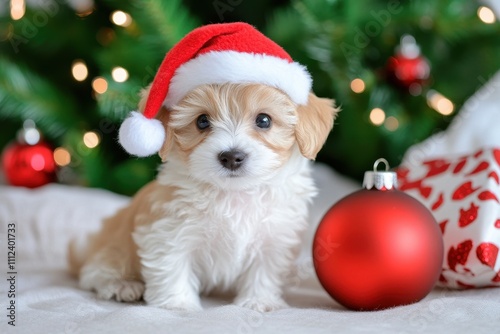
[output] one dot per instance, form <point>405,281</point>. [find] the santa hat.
<point>212,54</point>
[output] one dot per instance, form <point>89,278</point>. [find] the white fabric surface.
<point>48,300</point>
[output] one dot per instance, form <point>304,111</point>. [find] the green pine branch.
<point>119,99</point>
<point>163,23</point>
<point>24,94</point>
<point>158,25</point>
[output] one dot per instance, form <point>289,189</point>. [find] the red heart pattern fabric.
<point>463,194</point>
<point>468,216</point>
<point>487,253</point>
<point>460,254</point>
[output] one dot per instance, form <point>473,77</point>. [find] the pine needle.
<point>25,95</point>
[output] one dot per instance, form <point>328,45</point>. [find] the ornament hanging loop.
<point>378,161</point>
<point>380,180</point>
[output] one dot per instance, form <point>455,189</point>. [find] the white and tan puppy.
<point>227,209</point>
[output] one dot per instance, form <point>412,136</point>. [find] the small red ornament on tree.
<point>408,69</point>
<point>378,247</point>
<point>28,162</point>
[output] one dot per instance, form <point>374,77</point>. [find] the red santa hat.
<point>212,54</point>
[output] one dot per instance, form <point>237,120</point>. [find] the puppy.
<point>227,209</point>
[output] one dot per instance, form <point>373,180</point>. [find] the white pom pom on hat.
<point>141,136</point>
<point>212,54</point>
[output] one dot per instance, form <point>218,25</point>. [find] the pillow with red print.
<point>463,193</point>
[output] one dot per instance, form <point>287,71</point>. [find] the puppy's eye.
<point>263,121</point>
<point>202,122</point>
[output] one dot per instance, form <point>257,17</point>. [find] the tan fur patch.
<point>114,241</point>
<point>315,123</point>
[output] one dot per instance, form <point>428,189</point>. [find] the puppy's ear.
<point>315,121</point>
<point>163,116</point>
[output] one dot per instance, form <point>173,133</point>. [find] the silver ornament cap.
<point>380,180</point>
<point>29,134</point>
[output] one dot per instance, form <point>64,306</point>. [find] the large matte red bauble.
<point>376,249</point>
<point>29,165</point>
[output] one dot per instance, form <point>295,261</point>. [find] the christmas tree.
<point>399,71</point>
<point>77,71</point>
<point>390,101</point>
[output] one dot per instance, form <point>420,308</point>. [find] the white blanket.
<point>49,301</point>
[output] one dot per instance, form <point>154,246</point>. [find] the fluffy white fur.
<point>202,227</point>
<point>239,67</point>
<point>141,136</point>
<point>214,234</point>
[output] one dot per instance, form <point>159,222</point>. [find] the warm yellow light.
<point>119,74</point>
<point>17,9</point>
<point>91,139</point>
<point>62,156</point>
<point>100,85</point>
<point>377,116</point>
<point>445,107</point>
<point>121,18</point>
<point>486,15</point>
<point>358,85</point>
<point>438,102</point>
<point>432,98</point>
<point>391,123</point>
<point>79,70</point>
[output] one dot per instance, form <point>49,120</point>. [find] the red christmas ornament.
<point>408,68</point>
<point>29,162</point>
<point>378,247</point>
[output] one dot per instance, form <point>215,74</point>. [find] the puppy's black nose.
<point>232,159</point>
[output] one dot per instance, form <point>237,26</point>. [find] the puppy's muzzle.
<point>232,159</point>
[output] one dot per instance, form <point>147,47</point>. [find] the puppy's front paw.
<point>262,304</point>
<point>130,291</point>
<point>121,290</point>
